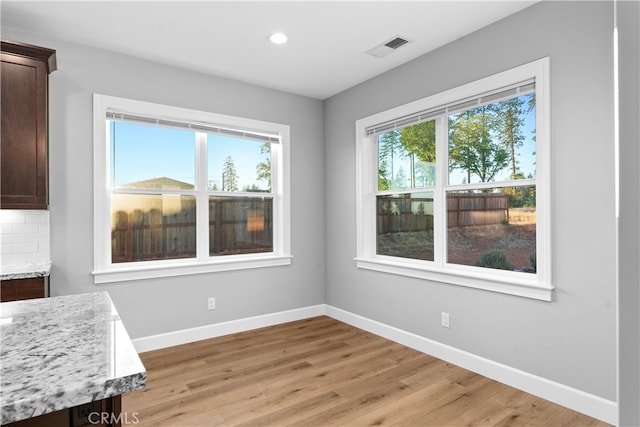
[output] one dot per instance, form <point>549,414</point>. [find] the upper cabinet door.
<point>24,132</point>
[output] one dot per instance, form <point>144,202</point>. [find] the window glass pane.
<point>151,227</point>
<point>237,164</point>
<point>144,156</point>
<point>240,225</point>
<point>493,229</point>
<point>494,142</point>
<point>406,157</point>
<point>405,225</point>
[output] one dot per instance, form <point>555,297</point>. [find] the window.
<point>179,191</point>
<point>455,187</point>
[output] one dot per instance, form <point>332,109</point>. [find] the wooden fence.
<point>236,226</point>
<point>406,214</point>
<point>240,225</point>
<point>397,214</point>
<point>465,209</point>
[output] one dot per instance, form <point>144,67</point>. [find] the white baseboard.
<point>588,404</point>
<point>169,339</point>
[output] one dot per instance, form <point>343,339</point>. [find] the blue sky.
<point>245,154</point>
<point>145,152</point>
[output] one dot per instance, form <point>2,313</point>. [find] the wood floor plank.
<point>293,414</point>
<point>395,412</point>
<point>158,395</point>
<point>293,390</point>
<point>321,372</point>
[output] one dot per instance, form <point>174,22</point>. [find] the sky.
<point>143,152</point>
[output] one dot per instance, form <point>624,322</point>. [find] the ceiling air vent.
<point>387,47</point>
<point>396,43</point>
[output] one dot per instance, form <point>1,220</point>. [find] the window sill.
<point>178,268</point>
<point>519,286</point>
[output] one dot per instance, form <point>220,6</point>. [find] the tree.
<point>419,141</point>
<point>424,174</point>
<point>471,145</point>
<point>389,147</point>
<point>229,175</point>
<point>384,183</point>
<point>510,117</point>
<point>400,180</point>
<point>263,169</point>
<point>531,106</point>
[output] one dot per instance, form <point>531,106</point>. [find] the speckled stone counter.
<point>61,352</point>
<point>24,271</point>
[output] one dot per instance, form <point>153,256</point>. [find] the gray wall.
<point>571,340</point>
<point>628,20</point>
<point>161,305</point>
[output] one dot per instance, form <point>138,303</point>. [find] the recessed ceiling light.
<point>277,38</point>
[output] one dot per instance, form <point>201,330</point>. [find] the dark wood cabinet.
<point>24,133</point>
<point>19,289</point>
<point>106,413</point>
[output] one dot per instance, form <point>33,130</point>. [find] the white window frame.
<point>107,272</point>
<point>537,286</point>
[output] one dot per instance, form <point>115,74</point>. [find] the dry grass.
<point>522,216</point>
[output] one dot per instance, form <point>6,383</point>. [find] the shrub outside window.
<point>180,191</point>
<point>455,187</point>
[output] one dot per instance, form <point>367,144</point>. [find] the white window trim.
<point>537,286</point>
<point>107,272</point>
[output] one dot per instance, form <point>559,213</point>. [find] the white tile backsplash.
<point>24,237</point>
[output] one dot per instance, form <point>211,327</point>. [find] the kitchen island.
<point>60,353</point>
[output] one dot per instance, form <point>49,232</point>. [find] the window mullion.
<point>440,197</point>
<point>371,190</point>
<point>202,203</point>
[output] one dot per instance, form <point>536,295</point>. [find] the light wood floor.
<point>321,372</point>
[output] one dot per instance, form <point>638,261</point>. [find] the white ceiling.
<point>327,39</point>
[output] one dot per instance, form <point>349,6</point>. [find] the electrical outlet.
<point>211,303</point>
<point>445,320</point>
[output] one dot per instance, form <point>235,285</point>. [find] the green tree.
<point>263,169</point>
<point>510,115</point>
<point>229,175</point>
<point>424,174</point>
<point>419,141</point>
<point>531,106</point>
<point>471,145</point>
<point>400,180</point>
<point>389,147</point>
<point>384,183</point>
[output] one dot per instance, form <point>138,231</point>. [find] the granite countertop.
<point>24,271</point>
<point>61,352</point>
